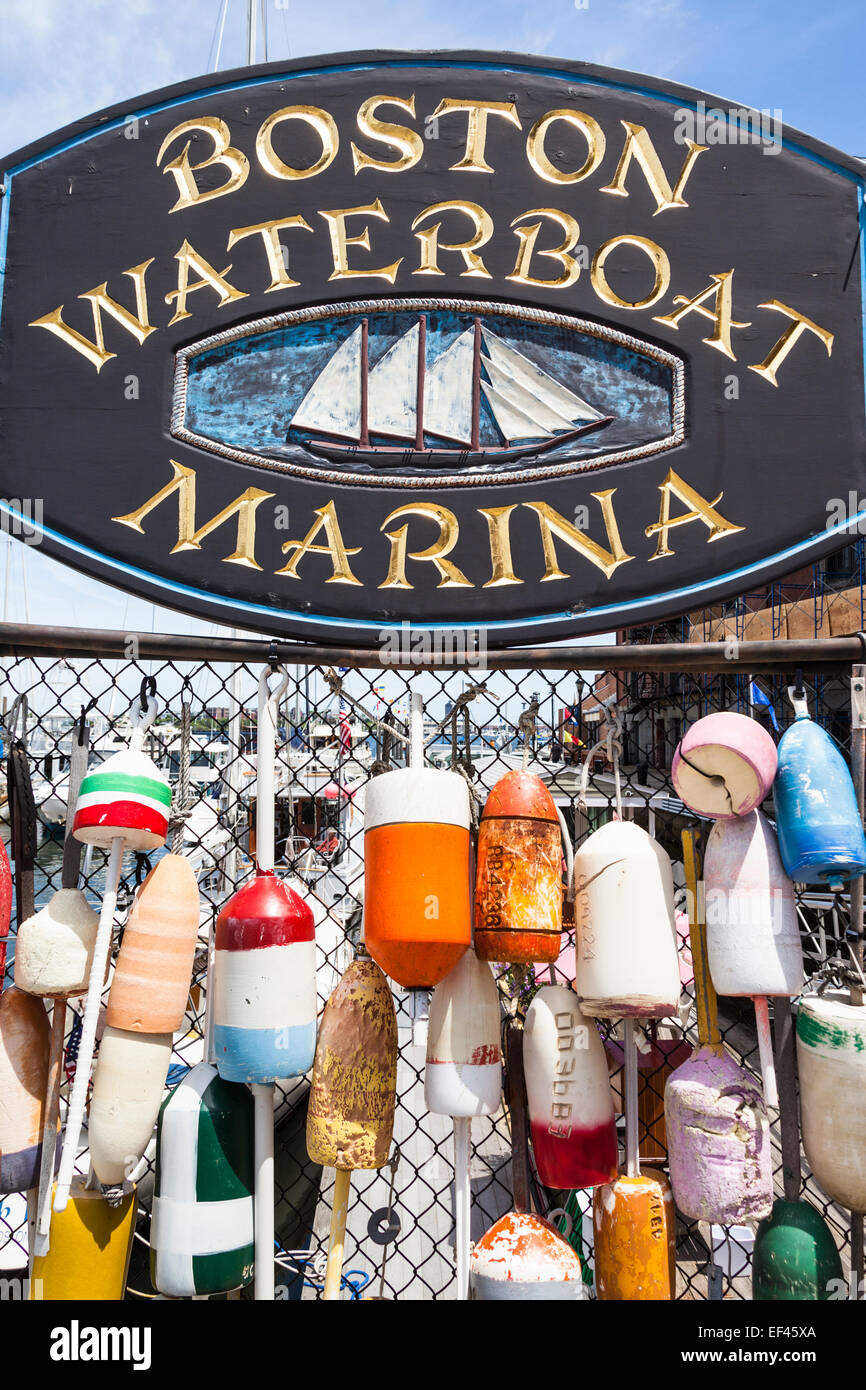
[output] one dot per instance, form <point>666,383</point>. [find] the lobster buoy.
<point>126,796</point>
<point>817,819</point>
<point>264,983</point>
<point>795,1256</point>
<point>831,1057</point>
<point>24,1047</point>
<point>463,1076</point>
<point>753,937</point>
<point>518,884</point>
<point>634,1229</point>
<point>627,962</point>
<point>201,1239</point>
<point>150,987</point>
<point>724,766</point>
<point>721,1165</point>
<point>417,920</point>
<point>91,1242</point>
<point>5,906</point>
<point>524,1257</point>
<point>571,1119</point>
<point>128,1088</point>
<point>54,947</point>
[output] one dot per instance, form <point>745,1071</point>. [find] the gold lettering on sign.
<point>528,236</point>
<point>430,245</point>
<point>341,241</point>
<point>499,526</point>
<point>223,153</point>
<point>400,137</point>
<point>101,303</point>
<point>657,258</point>
<point>476,128</point>
<point>720,315</point>
<point>553,524</point>
<point>449,530</point>
<point>322,123</point>
<point>639,146</point>
<point>589,129</point>
<point>189,259</point>
<point>336,548</point>
<point>190,538</point>
<point>702,510</point>
<point>269,231</point>
<point>800,325</point>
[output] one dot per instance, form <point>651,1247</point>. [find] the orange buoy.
<point>518,886</point>
<point>150,987</point>
<point>417,921</point>
<point>634,1226</point>
<point>24,1045</point>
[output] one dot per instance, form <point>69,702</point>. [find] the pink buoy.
<point>724,766</point>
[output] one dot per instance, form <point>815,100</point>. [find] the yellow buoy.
<point>633,1220</point>
<point>91,1242</point>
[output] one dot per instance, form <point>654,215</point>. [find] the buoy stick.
<point>337,1241</point>
<point>49,1128</point>
<point>517,1114</point>
<point>706,1000</point>
<point>789,1126</point>
<point>75,1113</point>
<point>632,1163</point>
<point>416,731</point>
<point>765,1050</point>
<point>263,1128</point>
<point>462,1201</point>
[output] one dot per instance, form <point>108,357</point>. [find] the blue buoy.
<point>817,818</point>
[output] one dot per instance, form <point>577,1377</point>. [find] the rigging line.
<point>222,25</point>
<point>264,12</point>
<point>284,13</point>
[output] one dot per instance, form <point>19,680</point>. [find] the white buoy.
<point>831,1057</point>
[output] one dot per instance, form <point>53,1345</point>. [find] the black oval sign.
<point>502,346</point>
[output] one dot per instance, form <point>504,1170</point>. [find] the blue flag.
<point>758,699</point>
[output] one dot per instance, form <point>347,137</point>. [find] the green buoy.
<point>795,1256</point>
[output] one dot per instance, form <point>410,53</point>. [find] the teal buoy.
<point>795,1256</point>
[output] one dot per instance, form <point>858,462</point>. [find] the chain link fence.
<point>336,730</point>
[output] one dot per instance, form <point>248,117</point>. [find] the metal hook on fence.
<point>81,736</point>
<point>146,693</point>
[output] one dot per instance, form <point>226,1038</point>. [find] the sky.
<point>61,61</point>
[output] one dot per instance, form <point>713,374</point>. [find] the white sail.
<point>512,421</point>
<point>333,403</point>
<point>543,387</point>
<point>392,390</point>
<point>448,391</point>
<point>547,420</point>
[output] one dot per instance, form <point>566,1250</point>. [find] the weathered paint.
<point>819,826</point>
<point>518,884</point>
<point>417,918</point>
<point>128,1088</point>
<point>150,986</point>
<point>202,1228</point>
<point>54,947</point>
<point>724,765</point>
<point>753,933</point>
<point>524,1257</point>
<point>350,1118</point>
<point>91,1242</point>
<point>624,922</point>
<point>568,1093</point>
<point>24,1045</point>
<point>463,1074</point>
<point>126,795</point>
<point>721,1165</point>
<point>634,1226</point>
<point>831,1058</point>
<point>795,1256</point>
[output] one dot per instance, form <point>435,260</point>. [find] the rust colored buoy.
<point>523,1257</point>
<point>634,1225</point>
<point>24,1046</point>
<point>518,886</point>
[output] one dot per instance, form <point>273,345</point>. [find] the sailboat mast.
<point>476,388</point>
<point>365,364</point>
<point>419,394</point>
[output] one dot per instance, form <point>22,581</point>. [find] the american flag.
<point>345,730</point>
<point>72,1047</point>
